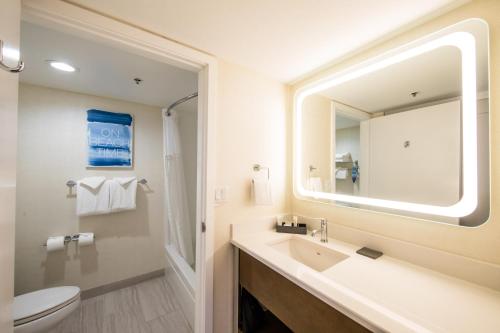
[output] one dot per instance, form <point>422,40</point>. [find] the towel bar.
<point>71,183</point>
<point>258,167</point>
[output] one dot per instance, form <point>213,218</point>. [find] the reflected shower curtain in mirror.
<point>178,227</point>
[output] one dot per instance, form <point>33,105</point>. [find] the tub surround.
<point>383,294</point>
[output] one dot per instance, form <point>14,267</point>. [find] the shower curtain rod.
<point>180,101</point>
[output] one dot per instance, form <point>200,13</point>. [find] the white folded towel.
<point>262,191</point>
<point>343,157</point>
<point>123,193</point>
<point>315,184</point>
<point>92,182</point>
<point>92,196</point>
<point>341,173</point>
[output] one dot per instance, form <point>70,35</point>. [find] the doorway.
<point>88,25</point>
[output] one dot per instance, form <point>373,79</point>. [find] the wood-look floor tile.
<point>125,323</point>
<point>71,324</point>
<point>173,322</point>
<point>92,315</point>
<point>148,307</point>
<point>123,301</point>
<point>156,298</point>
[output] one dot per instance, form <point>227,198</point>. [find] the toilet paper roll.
<point>55,243</point>
<point>85,239</point>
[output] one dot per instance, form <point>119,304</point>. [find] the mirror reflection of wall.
<point>317,144</point>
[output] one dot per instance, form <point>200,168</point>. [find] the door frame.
<point>86,23</point>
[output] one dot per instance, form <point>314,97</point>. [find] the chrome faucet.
<point>323,230</point>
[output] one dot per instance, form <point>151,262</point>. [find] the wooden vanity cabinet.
<point>294,306</point>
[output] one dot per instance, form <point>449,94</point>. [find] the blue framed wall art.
<point>110,139</point>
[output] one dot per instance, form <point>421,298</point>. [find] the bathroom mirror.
<point>405,133</point>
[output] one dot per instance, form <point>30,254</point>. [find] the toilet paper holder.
<point>69,238</point>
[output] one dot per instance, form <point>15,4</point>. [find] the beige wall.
<point>252,127</point>
<point>52,150</point>
<point>9,32</point>
<point>481,243</point>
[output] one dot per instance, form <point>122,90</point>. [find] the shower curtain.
<point>178,226</point>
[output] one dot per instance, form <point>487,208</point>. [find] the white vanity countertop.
<point>386,294</point>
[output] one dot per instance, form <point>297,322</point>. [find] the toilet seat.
<point>41,303</point>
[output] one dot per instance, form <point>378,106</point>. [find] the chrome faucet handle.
<point>314,232</point>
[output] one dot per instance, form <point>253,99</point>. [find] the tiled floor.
<point>147,307</point>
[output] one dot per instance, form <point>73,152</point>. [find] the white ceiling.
<point>283,39</point>
<point>103,70</point>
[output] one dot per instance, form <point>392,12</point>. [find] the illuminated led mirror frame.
<point>466,43</point>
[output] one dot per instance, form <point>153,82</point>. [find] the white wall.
<point>52,150</point>
<point>431,161</point>
<point>253,126</point>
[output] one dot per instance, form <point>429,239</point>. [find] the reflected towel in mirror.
<point>341,173</point>
<point>315,184</point>
<point>343,157</point>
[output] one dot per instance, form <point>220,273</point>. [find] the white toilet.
<point>41,310</point>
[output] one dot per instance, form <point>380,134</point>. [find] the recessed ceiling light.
<point>62,66</point>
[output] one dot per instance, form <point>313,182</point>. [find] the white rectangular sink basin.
<point>308,253</point>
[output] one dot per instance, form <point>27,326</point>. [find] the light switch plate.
<point>220,194</point>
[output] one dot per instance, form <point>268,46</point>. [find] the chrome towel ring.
<point>20,65</point>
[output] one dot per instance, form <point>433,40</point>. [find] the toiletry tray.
<point>302,230</point>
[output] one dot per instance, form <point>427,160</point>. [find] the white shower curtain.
<point>178,225</point>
